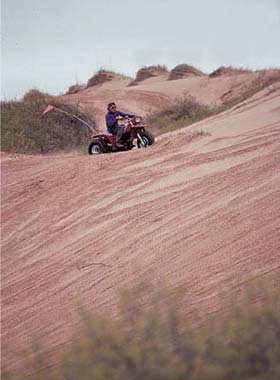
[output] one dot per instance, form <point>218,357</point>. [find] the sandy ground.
<point>200,210</point>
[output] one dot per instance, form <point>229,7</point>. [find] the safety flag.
<point>48,109</point>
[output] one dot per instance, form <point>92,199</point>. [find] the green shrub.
<point>245,343</point>
<point>159,341</point>
<point>25,130</point>
<point>184,111</point>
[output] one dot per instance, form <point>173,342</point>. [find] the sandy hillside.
<point>157,92</point>
<point>199,210</point>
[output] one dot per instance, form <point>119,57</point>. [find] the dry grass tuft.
<point>184,111</point>
<point>75,89</point>
<point>263,80</point>
<point>102,76</point>
<point>148,72</point>
<point>227,71</point>
<point>184,71</point>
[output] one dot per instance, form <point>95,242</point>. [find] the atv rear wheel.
<point>96,147</point>
<point>147,138</point>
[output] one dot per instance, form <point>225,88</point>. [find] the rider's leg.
<point>120,132</point>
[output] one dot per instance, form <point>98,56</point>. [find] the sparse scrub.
<point>186,110</point>
<point>75,88</point>
<point>184,71</point>
<point>228,70</point>
<point>103,76</point>
<point>183,112</point>
<point>25,130</point>
<point>148,72</point>
<point>158,341</point>
<point>100,77</point>
<point>258,84</point>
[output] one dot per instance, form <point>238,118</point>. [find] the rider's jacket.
<point>112,122</point>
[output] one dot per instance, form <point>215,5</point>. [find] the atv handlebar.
<point>134,120</point>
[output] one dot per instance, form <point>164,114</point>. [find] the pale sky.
<point>53,44</point>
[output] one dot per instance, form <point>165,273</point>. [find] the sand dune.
<point>157,92</point>
<point>199,210</point>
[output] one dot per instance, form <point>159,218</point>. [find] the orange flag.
<point>48,109</point>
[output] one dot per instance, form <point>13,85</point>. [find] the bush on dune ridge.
<point>75,88</point>
<point>100,77</point>
<point>184,111</point>
<point>103,76</point>
<point>184,71</point>
<point>158,341</point>
<point>25,130</point>
<point>261,82</point>
<point>148,72</point>
<point>228,70</point>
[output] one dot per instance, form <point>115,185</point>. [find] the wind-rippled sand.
<point>200,210</point>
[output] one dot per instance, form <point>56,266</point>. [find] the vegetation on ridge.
<point>103,76</point>
<point>228,70</point>
<point>148,72</point>
<point>24,130</point>
<point>187,110</point>
<point>184,111</point>
<point>184,71</point>
<point>258,84</point>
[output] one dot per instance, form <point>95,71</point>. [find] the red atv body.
<point>134,130</point>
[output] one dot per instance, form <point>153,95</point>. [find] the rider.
<point>113,127</point>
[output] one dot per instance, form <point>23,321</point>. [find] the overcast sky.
<point>52,44</point>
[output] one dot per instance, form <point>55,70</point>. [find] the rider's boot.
<point>119,144</point>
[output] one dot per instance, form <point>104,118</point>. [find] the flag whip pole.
<point>76,117</point>
<point>50,108</point>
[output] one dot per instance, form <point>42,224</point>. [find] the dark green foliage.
<point>153,339</point>
<point>184,111</point>
<point>245,344</point>
<point>25,130</point>
<point>145,343</point>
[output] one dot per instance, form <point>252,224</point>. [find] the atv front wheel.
<point>147,140</point>
<point>96,147</point>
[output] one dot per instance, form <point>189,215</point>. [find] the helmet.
<point>110,105</point>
